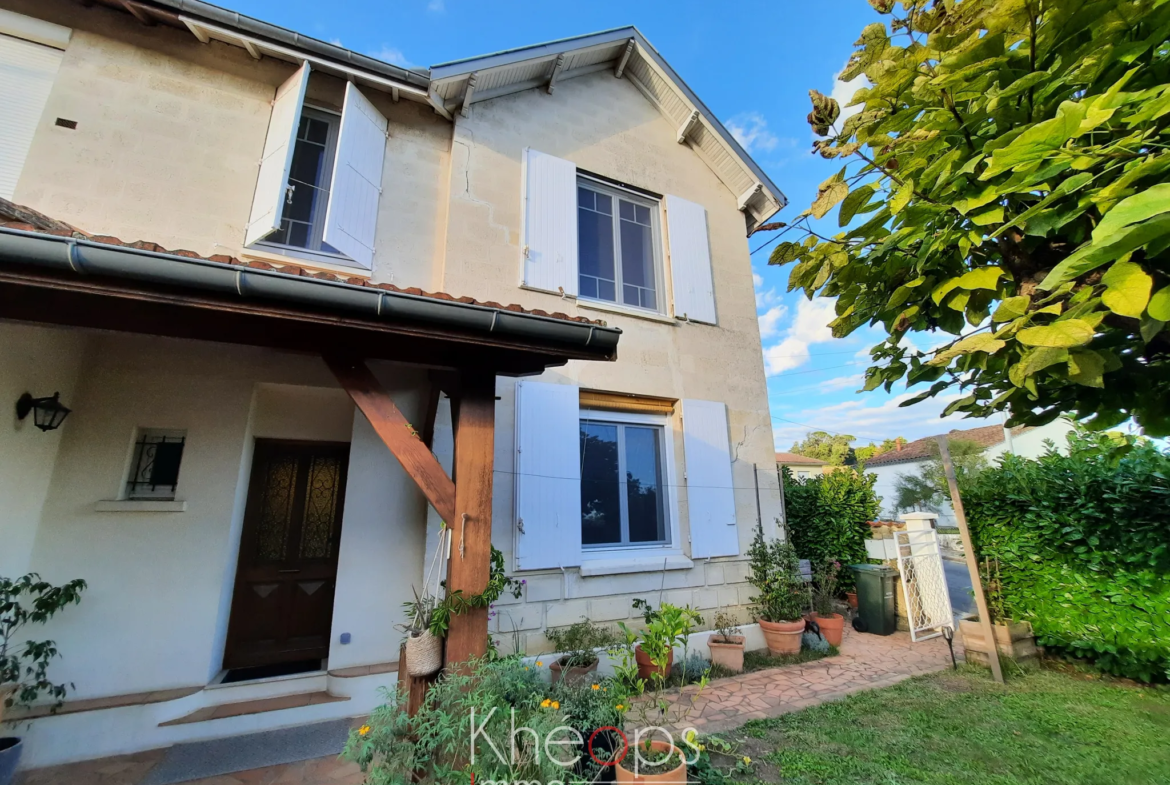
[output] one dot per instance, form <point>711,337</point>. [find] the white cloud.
<point>870,421</point>
<point>770,321</point>
<point>843,93</point>
<point>810,326</point>
<point>438,6</point>
<point>392,54</point>
<point>336,42</point>
<point>851,382</point>
<point>750,129</point>
<point>765,298</point>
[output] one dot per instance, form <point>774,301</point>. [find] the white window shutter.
<point>549,233</point>
<point>548,475</point>
<point>690,260</point>
<point>710,494</point>
<point>352,214</point>
<point>27,71</point>
<point>272,182</point>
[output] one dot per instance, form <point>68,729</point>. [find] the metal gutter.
<point>86,257</point>
<point>246,24</point>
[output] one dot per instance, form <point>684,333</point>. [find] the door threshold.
<point>238,677</point>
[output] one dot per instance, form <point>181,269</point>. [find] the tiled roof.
<point>793,459</point>
<point>15,216</point>
<point>985,437</point>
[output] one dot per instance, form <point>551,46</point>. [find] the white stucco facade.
<point>167,135</point>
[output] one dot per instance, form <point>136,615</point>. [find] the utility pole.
<point>972,565</point>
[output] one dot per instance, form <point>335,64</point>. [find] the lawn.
<point>959,727</point>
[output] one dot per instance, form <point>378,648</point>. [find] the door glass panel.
<point>601,515</point>
<point>644,485</point>
<point>276,508</point>
<point>637,256</point>
<point>595,251</point>
<point>321,496</point>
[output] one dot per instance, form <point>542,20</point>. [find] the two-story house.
<point>304,306</point>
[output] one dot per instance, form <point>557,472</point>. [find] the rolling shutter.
<point>548,476</point>
<point>710,495</point>
<point>549,233</point>
<point>27,71</point>
<point>272,182</point>
<point>352,214</point>
<point>690,260</point>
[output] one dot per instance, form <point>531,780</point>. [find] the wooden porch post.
<point>471,527</point>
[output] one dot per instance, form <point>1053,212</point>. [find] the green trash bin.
<point>876,587</point>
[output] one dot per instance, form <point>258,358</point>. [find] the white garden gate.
<point>924,583</point>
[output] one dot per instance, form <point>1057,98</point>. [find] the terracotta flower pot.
<point>851,598</point>
<point>727,652</point>
<point>677,776</point>
<point>782,637</point>
<point>575,674</point>
<point>647,669</point>
<point>831,627</point>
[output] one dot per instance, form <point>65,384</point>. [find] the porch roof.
<point>51,272</point>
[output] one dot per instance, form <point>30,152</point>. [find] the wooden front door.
<point>282,607</point>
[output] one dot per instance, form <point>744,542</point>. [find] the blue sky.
<point>752,63</point>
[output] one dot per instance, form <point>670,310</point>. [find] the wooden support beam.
<point>748,194</point>
<point>556,73</point>
<point>255,52</point>
<point>685,129</point>
<point>621,66</point>
<point>470,564</point>
<point>138,13</point>
<point>468,94</point>
<point>972,565</point>
<point>397,433</point>
<point>413,689</point>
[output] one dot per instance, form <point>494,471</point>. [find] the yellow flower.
<point>525,667</point>
<point>544,704</point>
<point>701,747</point>
<point>363,730</point>
<point>596,686</point>
<point>621,707</point>
<point>539,664</point>
<point>747,761</point>
<point>556,704</point>
<point>690,735</point>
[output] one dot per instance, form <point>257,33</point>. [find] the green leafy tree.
<point>872,450</point>
<point>833,448</point>
<point>828,517</point>
<point>1009,171</point>
<point>928,488</point>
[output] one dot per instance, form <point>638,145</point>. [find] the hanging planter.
<point>424,654</point>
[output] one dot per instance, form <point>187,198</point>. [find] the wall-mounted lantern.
<point>48,413</point>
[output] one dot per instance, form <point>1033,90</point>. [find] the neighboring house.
<point>257,200</point>
<point>1026,441</point>
<point>801,466</point>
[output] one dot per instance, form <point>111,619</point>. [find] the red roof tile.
<point>985,437</point>
<point>15,216</point>
<point>793,459</point>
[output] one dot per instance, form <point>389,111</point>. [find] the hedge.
<point>1083,548</point>
<point>828,517</point>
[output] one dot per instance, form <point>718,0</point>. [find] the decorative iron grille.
<point>155,472</point>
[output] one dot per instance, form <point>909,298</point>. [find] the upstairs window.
<point>306,199</point>
<point>617,246</point>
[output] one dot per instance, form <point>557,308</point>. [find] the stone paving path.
<point>865,662</point>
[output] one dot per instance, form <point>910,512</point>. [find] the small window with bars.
<point>154,469</point>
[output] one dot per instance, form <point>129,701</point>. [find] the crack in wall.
<point>491,209</point>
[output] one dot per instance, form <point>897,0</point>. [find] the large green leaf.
<point>856,199</point>
<point>1160,305</point>
<point>981,278</point>
<point>1034,361</point>
<point>1086,367</point>
<point>1058,335</point>
<point>1127,289</point>
<point>1091,255</point>
<point>1139,207</point>
<point>1011,308</point>
<point>981,342</point>
<point>902,197</point>
<point>1039,141</point>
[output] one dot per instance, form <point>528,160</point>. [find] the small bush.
<point>828,517</point>
<point>1083,550</point>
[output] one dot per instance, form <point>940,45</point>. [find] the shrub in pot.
<point>666,627</point>
<point>726,644</point>
<point>653,761</point>
<point>578,644</point>
<point>24,664</point>
<point>824,593</point>
<point>779,605</point>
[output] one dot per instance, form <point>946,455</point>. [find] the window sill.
<point>272,256</point>
<point>633,564</point>
<point>637,313</point>
<point>140,505</point>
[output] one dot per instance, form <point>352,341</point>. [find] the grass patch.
<point>960,727</point>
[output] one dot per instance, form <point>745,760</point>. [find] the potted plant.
<point>666,628</point>
<point>578,644</point>
<point>24,664</point>
<point>779,606</point>
<point>653,761</point>
<point>1013,639</point>
<point>851,598</point>
<point>824,593</point>
<point>424,648</point>
<point>726,644</point>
